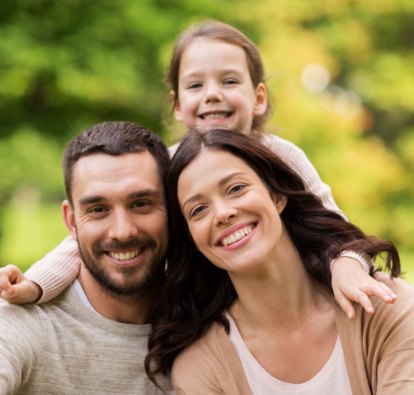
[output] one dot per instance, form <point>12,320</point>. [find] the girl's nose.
<point>213,93</point>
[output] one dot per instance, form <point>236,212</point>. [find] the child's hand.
<point>351,283</point>
<point>15,288</point>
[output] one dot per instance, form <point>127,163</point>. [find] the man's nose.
<point>123,225</point>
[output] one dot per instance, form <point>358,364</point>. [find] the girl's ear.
<point>177,109</point>
<point>260,106</point>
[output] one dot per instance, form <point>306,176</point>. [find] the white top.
<point>331,379</point>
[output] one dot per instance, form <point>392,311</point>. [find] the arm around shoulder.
<point>56,270</point>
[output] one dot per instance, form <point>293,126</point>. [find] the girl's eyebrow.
<point>223,181</point>
<point>197,73</point>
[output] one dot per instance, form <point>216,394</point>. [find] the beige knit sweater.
<point>378,350</point>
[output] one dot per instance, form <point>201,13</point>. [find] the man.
<point>92,339</point>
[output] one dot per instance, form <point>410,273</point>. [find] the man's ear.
<point>68,215</point>
<point>177,108</point>
<point>260,106</point>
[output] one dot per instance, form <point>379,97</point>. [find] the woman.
<point>250,305</point>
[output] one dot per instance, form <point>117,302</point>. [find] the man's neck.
<point>125,309</point>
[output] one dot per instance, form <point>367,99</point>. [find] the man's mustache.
<point>136,243</point>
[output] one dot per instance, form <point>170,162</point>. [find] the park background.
<point>340,74</point>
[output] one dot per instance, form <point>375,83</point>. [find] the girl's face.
<point>231,216</point>
<point>215,89</point>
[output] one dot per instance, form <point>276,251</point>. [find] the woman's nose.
<point>224,213</point>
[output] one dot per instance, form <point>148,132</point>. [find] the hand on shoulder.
<point>16,288</point>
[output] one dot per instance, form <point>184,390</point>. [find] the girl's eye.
<point>230,81</point>
<point>196,211</point>
<point>194,85</point>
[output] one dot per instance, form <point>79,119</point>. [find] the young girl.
<point>217,80</point>
<point>246,306</point>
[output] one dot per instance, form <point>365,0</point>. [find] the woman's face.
<point>232,218</point>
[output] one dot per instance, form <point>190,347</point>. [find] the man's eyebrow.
<point>145,193</point>
<point>91,200</point>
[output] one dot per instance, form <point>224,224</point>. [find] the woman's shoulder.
<point>203,350</point>
<point>396,318</point>
<point>403,308</point>
<point>209,365</point>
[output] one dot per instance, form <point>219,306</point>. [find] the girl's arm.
<point>46,279</point>
<point>349,281</point>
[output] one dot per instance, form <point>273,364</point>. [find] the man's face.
<point>119,220</point>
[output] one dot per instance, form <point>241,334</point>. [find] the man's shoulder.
<point>8,310</point>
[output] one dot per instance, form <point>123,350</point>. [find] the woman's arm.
<point>46,279</point>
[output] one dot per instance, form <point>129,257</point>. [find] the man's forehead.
<point>103,171</point>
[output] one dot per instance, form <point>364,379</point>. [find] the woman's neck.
<point>279,292</point>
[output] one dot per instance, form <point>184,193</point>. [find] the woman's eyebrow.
<point>223,181</point>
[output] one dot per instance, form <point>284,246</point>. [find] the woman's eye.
<point>141,203</point>
<point>196,211</point>
<point>236,188</point>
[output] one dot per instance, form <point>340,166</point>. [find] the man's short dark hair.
<point>113,138</point>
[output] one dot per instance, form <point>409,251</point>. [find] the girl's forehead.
<point>215,47</point>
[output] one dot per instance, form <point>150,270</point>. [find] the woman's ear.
<point>281,202</point>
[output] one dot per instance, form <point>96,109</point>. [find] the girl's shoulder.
<point>278,144</point>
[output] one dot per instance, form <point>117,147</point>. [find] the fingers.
<point>345,305</point>
<point>15,288</point>
<point>380,291</point>
<point>23,292</point>
<point>8,276</point>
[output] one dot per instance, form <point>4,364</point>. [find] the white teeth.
<point>215,115</point>
<point>236,236</point>
<point>124,256</point>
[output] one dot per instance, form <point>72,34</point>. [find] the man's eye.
<point>97,210</point>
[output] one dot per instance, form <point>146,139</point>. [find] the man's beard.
<point>131,286</point>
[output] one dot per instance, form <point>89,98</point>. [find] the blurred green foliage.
<point>339,72</point>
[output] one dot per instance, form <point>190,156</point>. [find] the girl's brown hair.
<point>223,32</point>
